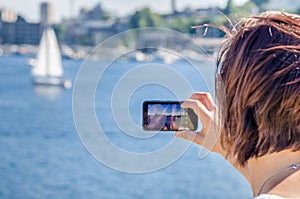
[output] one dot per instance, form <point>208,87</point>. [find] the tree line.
<point>146,18</point>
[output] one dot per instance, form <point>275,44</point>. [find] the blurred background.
<point>41,155</point>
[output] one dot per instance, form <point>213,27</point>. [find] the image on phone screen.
<point>168,116</point>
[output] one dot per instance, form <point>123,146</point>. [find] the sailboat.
<point>48,69</point>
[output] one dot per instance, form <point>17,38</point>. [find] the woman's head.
<point>260,70</point>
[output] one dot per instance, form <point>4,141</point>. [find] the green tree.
<point>260,3</point>
<point>145,18</point>
<point>229,7</point>
<point>236,12</point>
<point>298,11</point>
<point>59,31</point>
<point>182,24</point>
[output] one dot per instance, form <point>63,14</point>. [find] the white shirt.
<point>267,196</point>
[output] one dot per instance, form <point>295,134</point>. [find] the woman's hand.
<point>205,108</point>
<point>208,137</point>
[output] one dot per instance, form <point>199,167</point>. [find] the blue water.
<point>41,155</point>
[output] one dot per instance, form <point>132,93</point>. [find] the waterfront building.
<point>15,29</point>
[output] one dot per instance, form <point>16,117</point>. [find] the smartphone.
<point>168,116</point>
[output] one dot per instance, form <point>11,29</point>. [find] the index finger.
<point>205,98</point>
<point>197,106</point>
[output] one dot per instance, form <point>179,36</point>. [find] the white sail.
<point>49,57</point>
<point>40,66</point>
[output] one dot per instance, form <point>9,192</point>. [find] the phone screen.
<point>168,116</point>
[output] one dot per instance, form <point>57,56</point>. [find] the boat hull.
<point>52,81</point>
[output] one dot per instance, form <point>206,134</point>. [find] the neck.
<point>262,168</point>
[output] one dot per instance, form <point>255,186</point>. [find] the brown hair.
<point>260,69</point>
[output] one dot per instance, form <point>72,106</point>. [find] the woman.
<point>259,68</point>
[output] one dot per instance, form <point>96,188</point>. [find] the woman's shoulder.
<point>267,196</point>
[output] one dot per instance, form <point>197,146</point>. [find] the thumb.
<point>196,137</point>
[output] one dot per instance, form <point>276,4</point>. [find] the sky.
<point>29,9</point>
